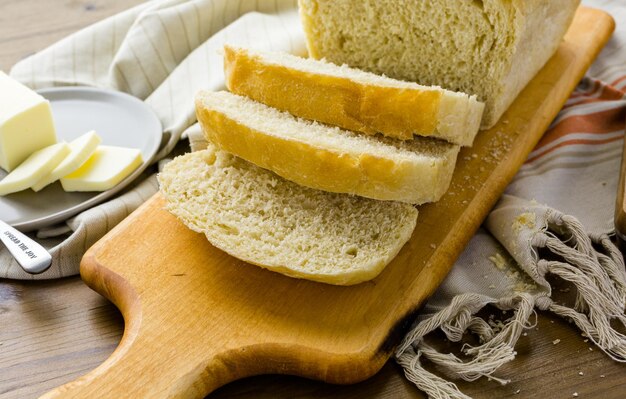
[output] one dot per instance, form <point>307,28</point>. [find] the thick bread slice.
<point>490,48</point>
<point>324,157</point>
<point>350,98</point>
<point>258,217</point>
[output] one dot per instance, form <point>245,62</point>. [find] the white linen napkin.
<point>164,51</point>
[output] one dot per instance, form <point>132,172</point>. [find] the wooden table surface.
<point>53,332</point>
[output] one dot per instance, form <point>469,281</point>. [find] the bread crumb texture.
<point>256,216</point>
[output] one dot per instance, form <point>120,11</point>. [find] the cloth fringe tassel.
<point>590,262</point>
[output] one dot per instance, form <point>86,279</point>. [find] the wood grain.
<point>27,26</point>
<point>51,332</point>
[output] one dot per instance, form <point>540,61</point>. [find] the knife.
<point>620,206</point>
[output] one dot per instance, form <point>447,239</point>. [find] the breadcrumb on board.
<point>526,219</point>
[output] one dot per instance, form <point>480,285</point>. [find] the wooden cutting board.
<point>197,318</point>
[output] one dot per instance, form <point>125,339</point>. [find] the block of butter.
<point>107,166</point>
<point>81,149</point>
<point>39,164</point>
<point>26,123</point>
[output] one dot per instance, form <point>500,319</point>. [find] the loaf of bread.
<point>350,98</point>
<point>489,48</point>
<point>265,220</point>
<point>325,157</point>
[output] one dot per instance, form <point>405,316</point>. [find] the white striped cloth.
<point>163,51</point>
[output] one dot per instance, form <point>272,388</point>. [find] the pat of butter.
<point>107,166</point>
<point>39,164</point>
<point>81,149</point>
<point>26,123</point>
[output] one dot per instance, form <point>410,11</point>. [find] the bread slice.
<point>350,98</point>
<point>324,157</point>
<point>258,217</point>
<point>490,48</point>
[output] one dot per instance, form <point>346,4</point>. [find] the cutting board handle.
<point>129,373</point>
<point>145,364</point>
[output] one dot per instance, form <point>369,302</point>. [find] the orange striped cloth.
<point>574,167</point>
<point>593,115</point>
<point>555,219</point>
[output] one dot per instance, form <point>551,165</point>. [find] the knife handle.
<point>620,204</point>
<point>31,256</point>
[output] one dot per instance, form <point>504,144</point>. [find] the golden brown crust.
<point>308,25</point>
<point>394,112</point>
<point>329,170</point>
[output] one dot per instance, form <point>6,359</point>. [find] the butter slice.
<point>26,123</point>
<point>107,167</point>
<point>39,164</point>
<point>81,149</point>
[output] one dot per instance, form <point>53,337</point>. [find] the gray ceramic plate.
<point>118,118</point>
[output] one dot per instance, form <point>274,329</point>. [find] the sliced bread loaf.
<point>350,98</point>
<point>324,157</point>
<point>490,48</point>
<point>258,217</point>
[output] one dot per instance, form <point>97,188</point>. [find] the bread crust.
<point>367,108</point>
<point>331,170</point>
<point>306,9</point>
<point>537,27</point>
